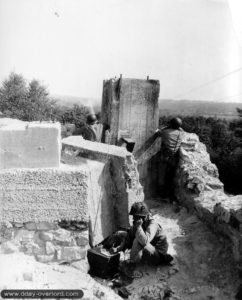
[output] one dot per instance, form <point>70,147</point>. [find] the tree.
<point>13,96</point>
<point>40,106</point>
<point>27,102</point>
<point>238,126</point>
<point>76,115</point>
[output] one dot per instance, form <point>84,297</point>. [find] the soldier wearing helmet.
<point>171,138</point>
<point>92,130</point>
<point>145,238</point>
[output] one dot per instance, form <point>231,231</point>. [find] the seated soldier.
<point>145,238</point>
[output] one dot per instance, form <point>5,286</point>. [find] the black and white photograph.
<point>121,149</point>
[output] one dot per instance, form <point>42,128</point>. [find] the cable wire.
<point>207,83</point>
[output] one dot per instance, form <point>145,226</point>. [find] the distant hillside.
<point>167,107</point>
<point>198,108</point>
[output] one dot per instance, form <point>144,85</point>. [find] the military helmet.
<point>91,119</point>
<point>176,123</point>
<point>139,209</point>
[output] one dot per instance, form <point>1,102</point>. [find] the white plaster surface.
<point>29,144</point>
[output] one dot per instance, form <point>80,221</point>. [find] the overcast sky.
<point>72,45</point>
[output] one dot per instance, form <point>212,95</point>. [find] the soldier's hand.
<point>113,250</point>
<point>138,222</point>
<point>158,132</point>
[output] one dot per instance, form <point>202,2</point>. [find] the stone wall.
<point>29,144</point>
<point>32,204</point>
<point>114,183</point>
<point>46,241</point>
<point>198,188</point>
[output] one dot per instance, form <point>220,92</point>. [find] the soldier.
<point>171,138</point>
<point>92,130</point>
<point>145,238</point>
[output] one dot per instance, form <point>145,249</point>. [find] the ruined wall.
<point>199,188</point>
<point>36,193</point>
<point>114,183</point>
<point>130,107</point>
<point>33,202</point>
<point>92,190</point>
<point>29,144</point>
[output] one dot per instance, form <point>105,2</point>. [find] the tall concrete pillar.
<point>130,108</point>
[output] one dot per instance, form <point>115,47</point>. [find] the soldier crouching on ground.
<point>145,239</point>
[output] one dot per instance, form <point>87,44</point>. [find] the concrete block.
<point>110,193</point>
<point>44,195</point>
<point>29,144</point>
<point>74,146</point>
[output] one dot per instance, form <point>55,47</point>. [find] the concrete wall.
<point>130,107</point>
<point>200,190</point>
<point>46,194</point>
<point>29,144</point>
<point>114,183</point>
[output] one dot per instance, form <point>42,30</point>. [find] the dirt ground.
<point>203,266</point>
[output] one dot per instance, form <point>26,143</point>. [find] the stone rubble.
<point>199,188</point>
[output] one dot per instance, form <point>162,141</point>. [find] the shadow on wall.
<point>151,183</point>
<point>101,205</point>
<point>108,199</point>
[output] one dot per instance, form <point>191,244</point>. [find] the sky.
<point>71,46</point>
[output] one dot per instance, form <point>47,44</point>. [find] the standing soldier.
<point>171,138</point>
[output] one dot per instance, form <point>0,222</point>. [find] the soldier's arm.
<point>145,237</point>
